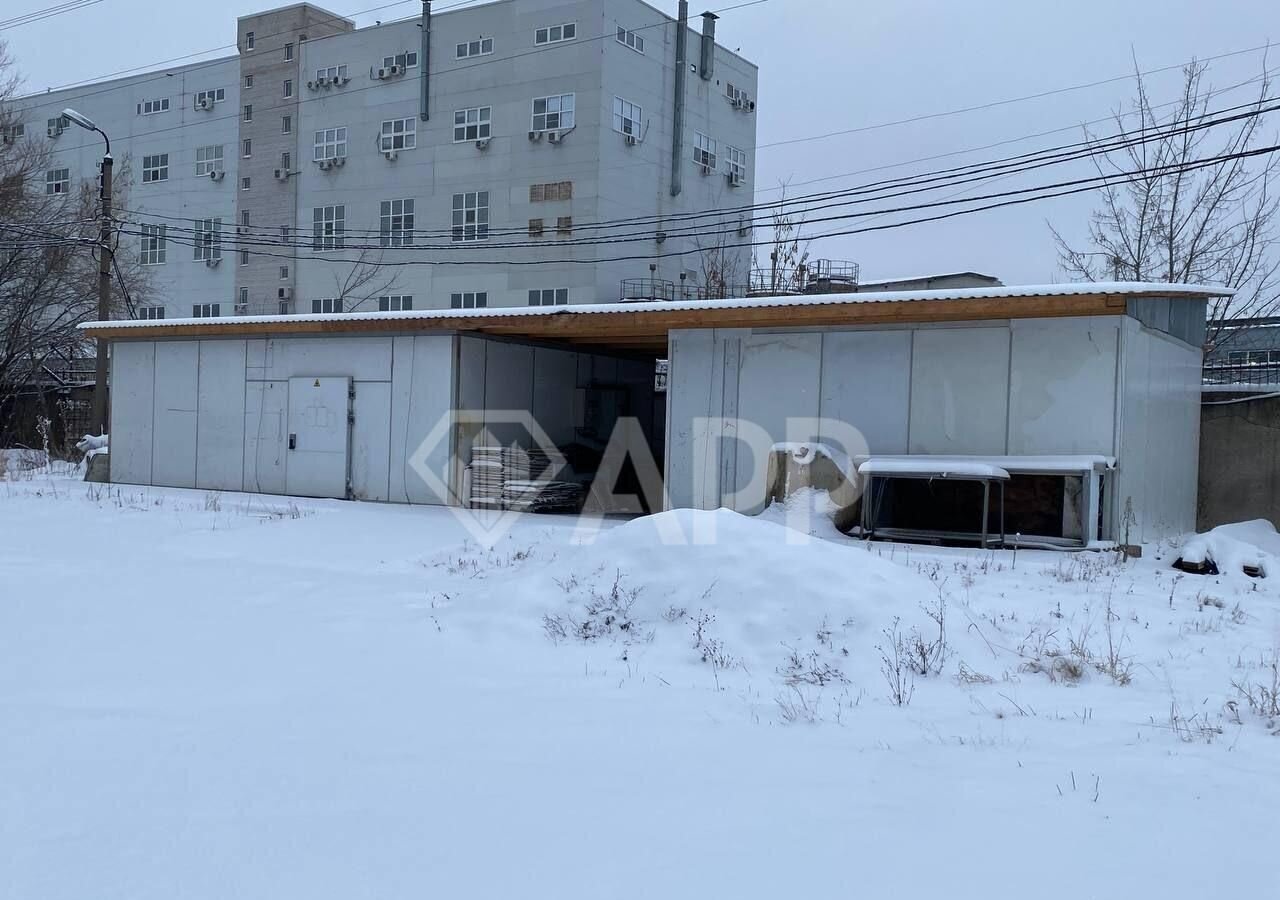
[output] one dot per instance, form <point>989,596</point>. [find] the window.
<point>328,227</point>
<point>535,228</point>
<point>246,148</point>
<point>208,159</point>
<point>399,134</point>
<point>396,223</point>
<point>206,99</point>
<point>57,181</point>
<point>155,168</point>
<point>553,113</point>
<point>151,107</point>
<point>248,40</point>
<point>331,75</point>
<point>327,305</point>
<point>288,52</point>
<point>330,143</point>
<point>248,81</point>
<point>555,190</point>
<point>57,125</point>
<point>469,300</point>
<point>244,218</point>
<point>627,117</point>
<point>285,307</point>
<point>12,132</point>
<point>395,303</point>
<point>556,33</point>
<point>737,96</point>
<point>549,297</point>
<point>286,161</point>
<point>206,310</point>
<point>288,87</point>
<point>286,124</point>
<point>737,163</point>
<point>284,233</point>
<point>284,273</point>
<point>248,112</point>
<point>564,224</point>
<point>630,39</point>
<point>150,312</point>
<point>153,245</point>
<point>244,261</point>
<point>406,60</point>
<point>246,183</point>
<point>704,150</point>
<point>244,296</point>
<point>208,244</point>
<point>481,47</point>
<point>473,124</point>
<point>471,216</point>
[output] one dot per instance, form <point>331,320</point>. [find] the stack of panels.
<point>542,496</point>
<point>486,476</point>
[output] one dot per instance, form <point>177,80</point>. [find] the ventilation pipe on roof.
<point>677,124</point>
<point>424,61</point>
<point>708,63</point>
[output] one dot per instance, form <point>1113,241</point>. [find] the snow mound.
<point>1232,547</point>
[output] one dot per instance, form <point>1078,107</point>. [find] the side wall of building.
<point>1024,387</point>
<point>1160,378</point>
<point>213,414</point>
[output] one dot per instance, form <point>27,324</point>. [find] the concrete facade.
<point>499,57</point>
<point>1239,460</point>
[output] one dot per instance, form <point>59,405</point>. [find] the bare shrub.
<point>1263,697</point>
<point>673,614</point>
<point>604,616</point>
<point>895,665</point>
<point>1114,664</point>
<point>794,707</point>
<point>809,668</point>
<point>1193,729</point>
<point>213,502</point>
<point>969,676</point>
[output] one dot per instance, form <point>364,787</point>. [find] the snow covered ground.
<point>226,696</point>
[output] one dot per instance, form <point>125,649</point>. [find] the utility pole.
<point>104,299</point>
<point>104,273</point>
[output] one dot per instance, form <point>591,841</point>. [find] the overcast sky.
<point>830,65</point>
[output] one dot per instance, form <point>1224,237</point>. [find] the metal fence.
<point>1242,373</point>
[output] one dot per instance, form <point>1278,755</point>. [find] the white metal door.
<point>319,437</point>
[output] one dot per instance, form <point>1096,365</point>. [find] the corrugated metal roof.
<point>1185,291</point>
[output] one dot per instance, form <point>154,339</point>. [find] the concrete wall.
<point>1034,387</point>
<point>213,414</point>
<point>1239,462</point>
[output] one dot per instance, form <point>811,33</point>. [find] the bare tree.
<point>785,269</point>
<point>721,263</point>
<point>48,247</point>
<point>366,280</point>
<point>1168,215</point>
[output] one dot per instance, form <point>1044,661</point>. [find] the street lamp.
<point>104,273</point>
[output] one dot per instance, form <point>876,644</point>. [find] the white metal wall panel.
<point>866,382</point>
<point>1062,386</point>
<point>422,395</point>
<point>220,417</point>
<point>132,396</point>
<point>690,397</point>
<point>371,441</point>
<point>361,358</point>
<point>174,444</point>
<point>508,385</point>
<point>265,436</point>
<point>778,379</point>
<point>959,390</point>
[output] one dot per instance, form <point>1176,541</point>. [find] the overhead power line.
<point>48,12</point>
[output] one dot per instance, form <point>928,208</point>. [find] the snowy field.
<point>226,696</point>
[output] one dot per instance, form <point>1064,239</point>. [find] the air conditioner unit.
<point>204,103</point>
<point>704,169</point>
<point>54,131</point>
<point>383,74</point>
<point>284,293</point>
<point>751,106</point>
<point>482,144</point>
<point>535,136</point>
<point>738,102</point>
<point>339,161</point>
<point>212,262</point>
<point>336,80</point>
<point>324,164</point>
<point>395,70</point>
<point>311,85</point>
<point>282,174</point>
<point>391,155</point>
<point>242,309</point>
<point>553,137</point>
<point>630,140</point>
<point>734,179</point>
<point>216,175</point>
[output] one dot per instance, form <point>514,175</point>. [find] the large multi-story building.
<point>517,152</point>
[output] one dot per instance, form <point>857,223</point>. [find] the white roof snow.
<point>1182,291</point>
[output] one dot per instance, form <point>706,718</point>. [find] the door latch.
<point>293,442</point>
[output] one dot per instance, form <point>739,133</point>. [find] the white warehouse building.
<point>469,159</point>
<point>1058,415</point>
